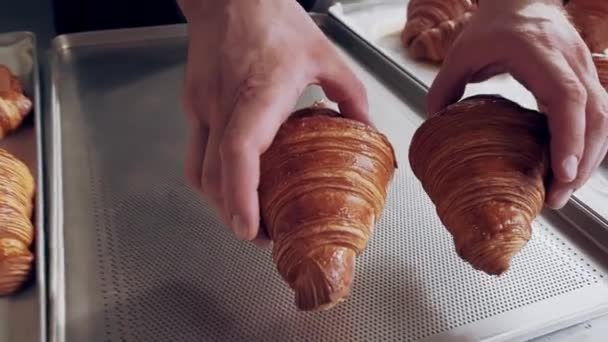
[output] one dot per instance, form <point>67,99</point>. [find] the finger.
<point>259,112</point>
<point>342,86</point>
<point>596,130</point>
<point>455,73</point>
<point>197,145</point>
<point>564,102</point>
<point>211,175</point>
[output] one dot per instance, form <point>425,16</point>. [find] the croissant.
<point>323,185</point>
<point>433,25</point>
<point>14,105</point>
<point>16,229</point>
<point>484,163</point>
<point>601,64</point>
<point>590,17</point>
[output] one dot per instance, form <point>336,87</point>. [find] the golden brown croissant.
<point>433,25</point>
<point>601,64</point>
<point>16,230</point>
<point>14,105</point>
<point>590,17</point>
<point>323,185</point>
<point>484,163</point>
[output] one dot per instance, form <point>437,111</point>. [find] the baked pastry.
<point>601,64</point>
<point>323,185</point>
<point>590,17</point>
<point>14,105</point>
<point>484,163</point>
<point>16,229</point>
<point>433,25</point>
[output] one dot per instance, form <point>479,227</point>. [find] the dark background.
<point>86,15</point>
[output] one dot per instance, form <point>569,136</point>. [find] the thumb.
<point>255,120</point>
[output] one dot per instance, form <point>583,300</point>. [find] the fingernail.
<point>238,228</point>
<point>561,197</point>
<point>570,166</point>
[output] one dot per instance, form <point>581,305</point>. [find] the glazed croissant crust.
<point>323,185</point>
<point>590,17</point>
<point>484,163</point>
<point>16,230</point>
<point>433,25</point>
<point>14,105</point>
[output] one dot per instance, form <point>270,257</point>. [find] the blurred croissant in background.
<point>484,163</point>
<point>16,229</point>
<point>433,25</point>
<point>324,182</point>
<point>590,17</point>
<point>14,105</point>
<point>601,64</point>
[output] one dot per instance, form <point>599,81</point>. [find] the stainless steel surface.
<point>380,22</point>
<point>138,256</point>
<point>23,315</point>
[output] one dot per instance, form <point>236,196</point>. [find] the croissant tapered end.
<point>323,184</point>
<point>322,285</point>
<point>601,64</point>
<point>484,162</point>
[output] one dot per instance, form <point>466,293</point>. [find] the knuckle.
<point>234,146</point>
<point>572,90</point>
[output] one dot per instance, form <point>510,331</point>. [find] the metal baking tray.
<point>136,255</point>
<point>380,22</point>
<point>23,315</point>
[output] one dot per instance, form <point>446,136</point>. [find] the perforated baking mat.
<point>138,256</point>
<point>22,314</point>
<point>380,22</point>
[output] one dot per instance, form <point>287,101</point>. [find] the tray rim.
<point>179,31</point>
<point>40,200</point>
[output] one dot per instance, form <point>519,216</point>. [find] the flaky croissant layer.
<point>14,105</point>
<point>433,25</point>
<point>484,162</point>
<point>16,229</point>
<point>323,184</point>
<point>601,64</point>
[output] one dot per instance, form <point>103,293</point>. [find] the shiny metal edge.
<point>56,274</point>
<point>402,76</point>
<point>118,36</point>
<point>41,200</point>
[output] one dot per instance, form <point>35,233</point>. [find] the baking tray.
<point>380,22</point>
<point>138,256</point>
<point>23,315</point>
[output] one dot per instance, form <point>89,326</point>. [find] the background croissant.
<point>484,163</point>
<point>601,64</point>
<point>433,25</point>
<point>590,17</point>
<point>323,185</point>
<point>14,105</point>
<point>16,230</point>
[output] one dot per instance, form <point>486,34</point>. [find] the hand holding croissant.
<point>324,181</point>
<point>537,44</point>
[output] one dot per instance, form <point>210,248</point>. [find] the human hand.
<point>534,42</point>
<point>248,63</point>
